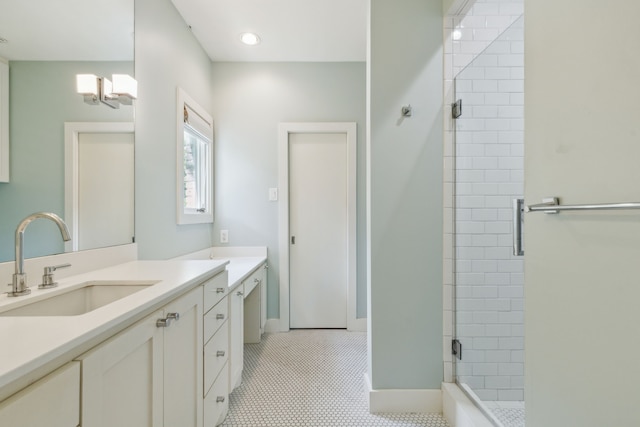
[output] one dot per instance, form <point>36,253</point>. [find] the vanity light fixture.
<point>250,39</point>
<point>125,87</point>
<point>122,90</point>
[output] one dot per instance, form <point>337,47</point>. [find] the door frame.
<point>284,130</point>
<point>72,131</point>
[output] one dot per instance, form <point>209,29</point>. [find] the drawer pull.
<point>240,293</point>
<point>256,281</point>
<point>220,399</point>
<point>219,316</point>
<point>220,353</point>
<point>219,290</point>
<point>166,322</point>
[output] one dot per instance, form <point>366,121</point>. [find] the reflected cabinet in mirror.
<point>66,156</point>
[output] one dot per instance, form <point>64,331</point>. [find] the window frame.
<point>204,129</point>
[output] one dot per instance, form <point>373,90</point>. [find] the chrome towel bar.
<point>551,205</point>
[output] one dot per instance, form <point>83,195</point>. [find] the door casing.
<point>284,129</point>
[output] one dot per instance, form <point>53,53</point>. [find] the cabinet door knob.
<point>256,280</point>
<point>219,399</point>
<point>219,316</point>
<point>240,293</point>
<point>219,290</point>
<point>220,353</point>
<point>163,323</point>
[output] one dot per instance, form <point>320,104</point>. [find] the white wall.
<point>167,56</point>
<point>405,195</point>
<point>249,100</point>
<point>582,144</point>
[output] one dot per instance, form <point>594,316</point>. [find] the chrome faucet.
<point>19,285</point>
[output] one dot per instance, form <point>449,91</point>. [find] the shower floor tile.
<point>510,414</point>
<point>310,378</point>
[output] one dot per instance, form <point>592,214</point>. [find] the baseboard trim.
<point>402,401</point>
<point>272,326</point>
<point>358,325</point>
<point>459,410</point>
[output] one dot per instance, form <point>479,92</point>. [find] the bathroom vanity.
<point>162,351</point>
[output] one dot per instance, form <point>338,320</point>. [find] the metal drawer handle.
<point>220,353</point>
<point>219,290</point>
<point>220,399</point>
<point>163,323</point>
<point>219,316</point>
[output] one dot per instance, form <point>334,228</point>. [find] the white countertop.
<point>240,268</point>
<point>33,346</point>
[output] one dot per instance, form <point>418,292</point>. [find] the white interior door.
<point>318,230</point>
<point>105,188</point>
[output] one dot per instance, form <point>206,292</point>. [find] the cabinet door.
<point>122,378</point>
<point>236,340</point>
<point>183,362</point>
<point>53,401</point>
<point>263,298</point>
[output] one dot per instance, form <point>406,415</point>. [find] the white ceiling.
<point>290,30</point>
<point>66,30</point>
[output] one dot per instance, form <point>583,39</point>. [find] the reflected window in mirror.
<point>195,162</point>
<point>4,121</point>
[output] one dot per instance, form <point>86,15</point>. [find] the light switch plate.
<point>273,194</point>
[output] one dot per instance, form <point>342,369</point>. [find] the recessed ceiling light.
<point>250,39</point>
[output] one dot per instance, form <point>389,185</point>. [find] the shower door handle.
<point>518,219</point>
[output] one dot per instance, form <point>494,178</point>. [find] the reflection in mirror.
<point>47,44</point>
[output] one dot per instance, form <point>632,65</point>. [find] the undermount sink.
<point>80,300</point>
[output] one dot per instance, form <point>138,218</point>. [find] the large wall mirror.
<point>46,44</point>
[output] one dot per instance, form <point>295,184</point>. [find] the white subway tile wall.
<point>483,173</point>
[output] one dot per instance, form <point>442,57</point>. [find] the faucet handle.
<point>47,277</point>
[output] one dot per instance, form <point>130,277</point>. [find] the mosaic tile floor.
<point>310,378</point>
<point>510,414</point>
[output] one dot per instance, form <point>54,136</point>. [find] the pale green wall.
<point>249,100</point>
<point>42,97</point>
<point>405,188</point>
<point>582,144</point>
<point>167,56</point>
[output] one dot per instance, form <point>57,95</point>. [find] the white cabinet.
<point>216,350</point>
<point>122,378</point>
<point>236,340</point>
<point>263,297</point>
<point>183,362</point>
<point>253,299</point>
<point>53,401</point>
<point>149,374</point>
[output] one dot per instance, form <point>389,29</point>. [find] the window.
<point>195,162</point>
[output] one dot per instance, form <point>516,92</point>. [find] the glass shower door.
<point>489,268</point>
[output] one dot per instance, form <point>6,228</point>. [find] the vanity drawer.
<point>215,289</point>
<point>251,282</point>
<point>216,401</point>
<point>215,318</point>
<point>216,354</point>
